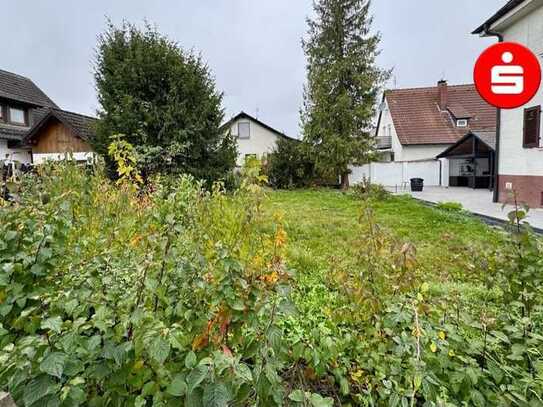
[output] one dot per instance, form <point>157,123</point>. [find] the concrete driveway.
<point>477,201</point>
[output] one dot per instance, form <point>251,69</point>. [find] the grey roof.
<point>487,137</point>
<point>17,88</point>
<point>82,126</point>
<point>8,132</point>
<point>21,89</point>
<point>18,133</point>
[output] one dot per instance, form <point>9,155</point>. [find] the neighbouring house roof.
<point>17,88</point>
<point>21,89</point>
<point>509,6</point>
<point>418,120</point>
<point>82,126</point>
<point>488,140</point>
<point>18,133</point>
<point>246,116</point>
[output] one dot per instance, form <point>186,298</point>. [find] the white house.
<point>254,138</point>
<point>420,123</point>
<point>519,145</point>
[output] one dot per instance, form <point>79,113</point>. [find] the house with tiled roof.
<point>420,123</point>
<point>33,128</point>
<point>519,141</point>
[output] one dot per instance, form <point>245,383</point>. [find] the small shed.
<point>472,160</point>
<point>60,133</point>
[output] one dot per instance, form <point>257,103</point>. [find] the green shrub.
<point>450,206</point>
<point>112,296</point>
<point>289,166</point>
<point>367,190</point>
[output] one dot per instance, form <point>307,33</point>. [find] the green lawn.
<point>322,224</point>
<point>323,230</point>
<point>344,272</point>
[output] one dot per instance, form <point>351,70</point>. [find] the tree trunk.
<point>345,181</point>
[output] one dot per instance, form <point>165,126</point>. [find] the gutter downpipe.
<point>496,196</point>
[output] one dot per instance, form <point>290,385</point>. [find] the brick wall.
<point>529,189</point>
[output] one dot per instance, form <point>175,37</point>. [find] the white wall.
<point>260,142</point>
<point>4,149</point>
<point>20,155</point>
<point>514,159</point>
<point>424,152</point>
<point>387,128</point>
<point>42,158</point>
<point>398,173</point>
<point>406,152</point>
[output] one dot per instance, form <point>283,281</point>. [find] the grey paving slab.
<point>478,201</point>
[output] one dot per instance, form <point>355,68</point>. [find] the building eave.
<point>506,16</point>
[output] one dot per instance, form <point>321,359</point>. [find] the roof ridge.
<point>16,75</point>
<point>74,113</point>
<point>429,87</point>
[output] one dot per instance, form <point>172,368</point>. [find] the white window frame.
<point>461,123</point>
<point>10,116</point>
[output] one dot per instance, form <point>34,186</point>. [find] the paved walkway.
<point>478,201</point>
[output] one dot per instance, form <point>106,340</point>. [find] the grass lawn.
<point>323,230</point>
<point>334,255</point>
<point>322,224</point>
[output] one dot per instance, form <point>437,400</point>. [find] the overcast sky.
<point>252,46</point>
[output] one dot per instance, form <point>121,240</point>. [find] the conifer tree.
<point>343,82</point>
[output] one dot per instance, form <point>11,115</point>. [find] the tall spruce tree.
<point>343,82</point>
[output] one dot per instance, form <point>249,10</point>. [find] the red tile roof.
<point>418,119</point>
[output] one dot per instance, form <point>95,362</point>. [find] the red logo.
<point>507,75</point>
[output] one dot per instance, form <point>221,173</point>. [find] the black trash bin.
<point>417,184</point>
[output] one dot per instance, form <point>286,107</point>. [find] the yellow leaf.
<point>280,238</point>
<point>433,347</point>
<point>442,335</point>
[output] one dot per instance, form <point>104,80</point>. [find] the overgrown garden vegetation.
<point>157,289</point>
<point>116,295</point>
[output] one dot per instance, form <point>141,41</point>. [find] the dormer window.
<point>462,123</point>
<point>17,116</point>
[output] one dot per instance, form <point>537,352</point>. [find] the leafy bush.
<point>289,166</point>
<point>111,297</point>
<point>450,206</point>
<point>116,295</point>
<point>368,190</point>
<point>165,103</point>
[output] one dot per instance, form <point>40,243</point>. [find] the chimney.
<point>443,94</point>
